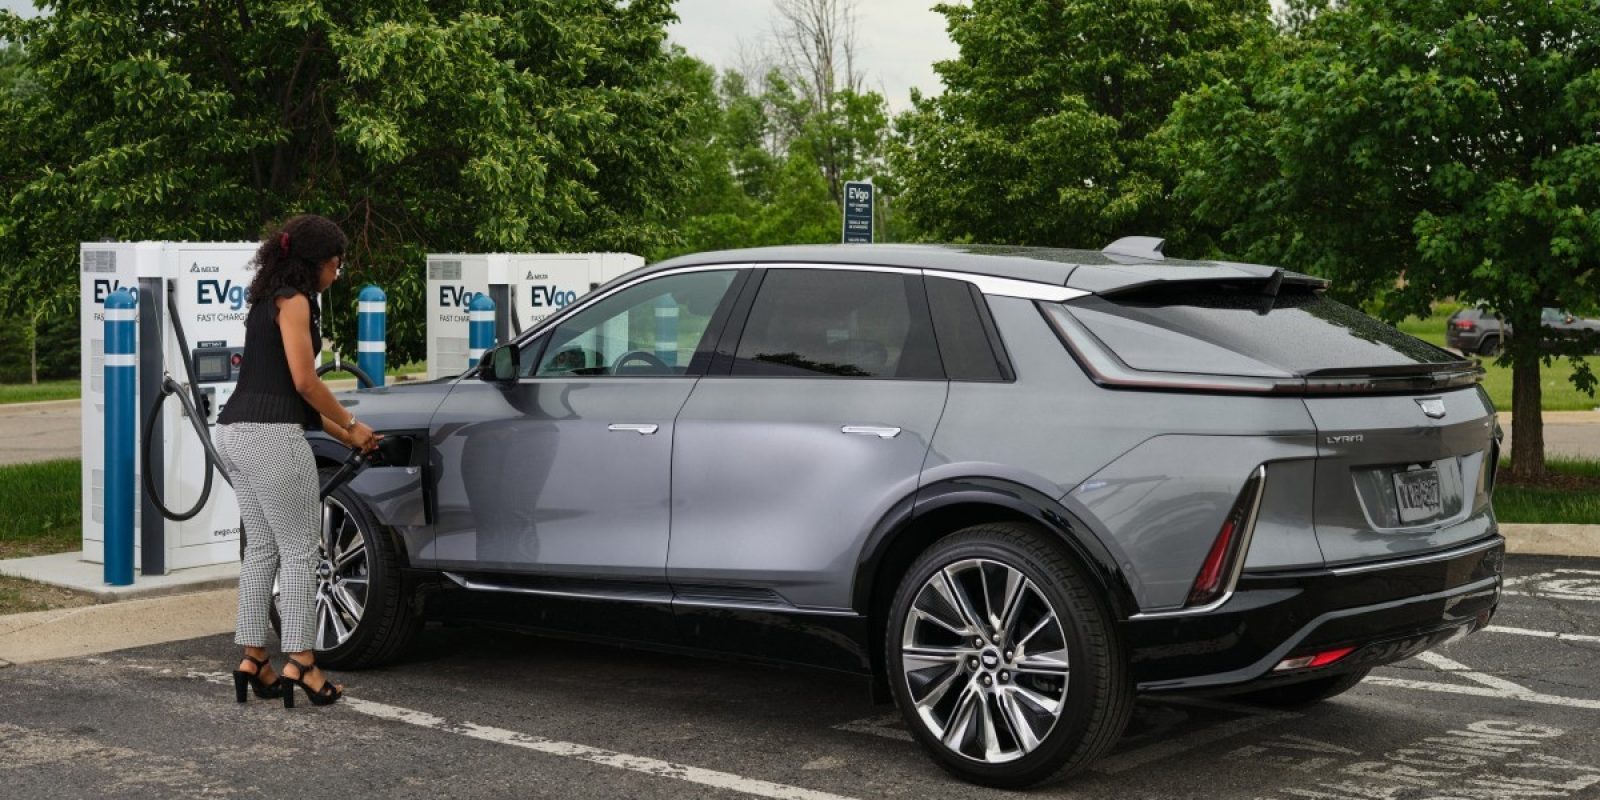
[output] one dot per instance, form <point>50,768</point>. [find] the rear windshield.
<point>1221,330</point>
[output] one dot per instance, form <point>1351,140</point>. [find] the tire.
<point>1490,346</point>
<point>1084,674</point>
<point>357,629</point>
<point>1305,693</point>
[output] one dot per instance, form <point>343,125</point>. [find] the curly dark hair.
<point>292,255</point>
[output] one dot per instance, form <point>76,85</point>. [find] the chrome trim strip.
<point>1011,287</point>
<point>1445,555</point>
<point>629,597</point>
<point>774,608</point>
<point>632,597</point>
<point>988,284</point>
<point>1240,556</point>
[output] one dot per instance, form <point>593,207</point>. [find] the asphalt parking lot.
<point>1511,712</point>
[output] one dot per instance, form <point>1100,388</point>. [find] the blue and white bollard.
<point>371,312</point>
<point>480,328</point>
<point>122,413</point>
<point>667,330</point>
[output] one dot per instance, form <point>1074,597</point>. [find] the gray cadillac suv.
<point>1011,487</point>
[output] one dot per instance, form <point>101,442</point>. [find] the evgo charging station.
<point>190,326</point>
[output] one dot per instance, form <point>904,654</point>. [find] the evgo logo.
<point>214,292</point>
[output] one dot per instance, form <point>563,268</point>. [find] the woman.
<point>260,437</point>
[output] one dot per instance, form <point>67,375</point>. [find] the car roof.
<point>1088,270</point>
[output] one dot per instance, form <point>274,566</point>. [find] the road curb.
<point>1552,540</point>
<point>69,571</point>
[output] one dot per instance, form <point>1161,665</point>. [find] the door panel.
<point>567,471</point>
<point>769,492</point>
<point>782,467</point>
<point>544,485</point>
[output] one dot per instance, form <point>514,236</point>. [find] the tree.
<point>488,125</point>
<point>820,88</point>
<point>1416,149</point>
<point>1042,135</point>
<point>745,195</point>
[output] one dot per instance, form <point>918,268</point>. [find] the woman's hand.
<point>362,437</point>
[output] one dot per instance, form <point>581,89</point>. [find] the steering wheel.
<point>639,355</point>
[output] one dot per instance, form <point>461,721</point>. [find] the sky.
<point>897,41</point>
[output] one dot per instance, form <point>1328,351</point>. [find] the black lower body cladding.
<point>1386,611</point>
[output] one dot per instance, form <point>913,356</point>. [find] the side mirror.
<point>500,364</point>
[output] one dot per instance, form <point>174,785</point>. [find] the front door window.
<point>654,328</point>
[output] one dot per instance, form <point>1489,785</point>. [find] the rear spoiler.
<point>1114,279</point>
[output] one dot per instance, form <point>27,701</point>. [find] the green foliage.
<point>57,348</point>
<point>1572,499</point>
<point>473,125</point>
<point>1044,133</point>
<point>43,514</point>
<point>769,167</point>
<point>1451,142</point>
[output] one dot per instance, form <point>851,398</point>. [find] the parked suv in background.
<point>1474,330</point>
<point>1012,487</point>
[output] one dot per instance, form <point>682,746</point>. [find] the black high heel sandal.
<point>326,696</point>
<point>243,681</point>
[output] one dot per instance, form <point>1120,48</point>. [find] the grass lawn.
<point>68,389</point>
<point>42,513</point>
<point>417,369</point>
<point>39,392</point>
<point>1572,495</point>
<point>1559,393</point>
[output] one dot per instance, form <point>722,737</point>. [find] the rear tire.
<point>381,625</point>
<point>1035,698</point>
<point>1490,346</point>
<point>1305,693</point>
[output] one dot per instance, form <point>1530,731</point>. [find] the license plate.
<point>1416,492</point>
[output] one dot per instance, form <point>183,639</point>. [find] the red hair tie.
<point>283,242</point>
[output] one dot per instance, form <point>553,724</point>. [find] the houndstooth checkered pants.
<point>275,477</point>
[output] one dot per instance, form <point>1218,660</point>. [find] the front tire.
<point>1004,660</point>
<point>362,618</point>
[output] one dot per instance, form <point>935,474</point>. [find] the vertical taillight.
<point>1220,571</point>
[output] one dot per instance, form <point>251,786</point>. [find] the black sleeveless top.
<point>266,390</point>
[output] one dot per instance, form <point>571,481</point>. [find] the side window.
<point>842,323</point>
<point>968,344</point>
<point>654,328</point>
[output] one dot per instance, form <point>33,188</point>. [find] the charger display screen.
<point>212,367</point>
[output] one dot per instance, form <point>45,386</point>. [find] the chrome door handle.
<point>880,431</point>
<point>644,429</point>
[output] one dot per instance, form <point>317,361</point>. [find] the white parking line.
<point>1560,637</point>
<point>1558,585</point>
<point>593,755</point>
<point>1488,685</point>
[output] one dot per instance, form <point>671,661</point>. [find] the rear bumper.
<point>1388,611</point>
